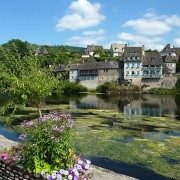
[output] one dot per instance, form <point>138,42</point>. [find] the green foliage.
<point>103,88</point>
<point>47,146</point>
<point>66,87</point>
<point>23,80</point>
<point>114,87</point>
<point>102,55</point>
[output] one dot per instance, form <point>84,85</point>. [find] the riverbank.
<point>6,143</point>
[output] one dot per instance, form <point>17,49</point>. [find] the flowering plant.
<point>47,145</point>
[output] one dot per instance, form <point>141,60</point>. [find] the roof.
<point>100,65</point>
<point>62,68</point>
<point>168,49</point>
<point>91,48</point>
<point>169,59</point>
<point>117,47</point>
<point>130,52</point>
<point>152,58</point>
<point>41,50</point>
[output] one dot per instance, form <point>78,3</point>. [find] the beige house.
<point>117,49</point>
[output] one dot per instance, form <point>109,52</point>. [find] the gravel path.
<point>6,143</point>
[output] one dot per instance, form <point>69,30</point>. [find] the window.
<point>138,73</point>
<point>152,59</point>
<point>133,73</point>
<point>127,73</point>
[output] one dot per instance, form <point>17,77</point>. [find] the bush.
<point>105,87</point>
<point>46,144</point>
<point>66,87</point>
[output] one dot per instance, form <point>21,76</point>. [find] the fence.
<point>13,172</point>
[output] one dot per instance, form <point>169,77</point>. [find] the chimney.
<point>125,45</point>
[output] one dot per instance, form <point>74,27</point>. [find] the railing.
<point>13,172</point>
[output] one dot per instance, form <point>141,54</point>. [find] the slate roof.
<point>117,47</point>
<point>169,59</point>
<point>62,68</point>
<point>130,52</point>
<point>100,65</point>
<point>92,48</point>
<point>152,58</point>
<point>168,49</point>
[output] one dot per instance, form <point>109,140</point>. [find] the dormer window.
<point>152,59</point>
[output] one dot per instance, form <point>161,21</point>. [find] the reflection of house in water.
<point>147,105</point>
<point>92,102</point>
<point>133,108</point>
<point>152,105</point>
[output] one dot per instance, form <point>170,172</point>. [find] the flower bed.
<point>45,150</point>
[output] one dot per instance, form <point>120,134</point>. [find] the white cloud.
<point>152,24</point>
<point>177,42</point>
<point>81,14</point>
<point>88,37</point>
<point>139,40</point>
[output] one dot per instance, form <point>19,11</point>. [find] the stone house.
<point>89,51</point>
<point>92,74</point>
<point>152,65</point>
<point>117,49</point>
<point>133,58</point>
<point>170,57</point>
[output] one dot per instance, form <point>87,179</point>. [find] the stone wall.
<point>165,82</point>
<point>108,76</point>
<point>12,172</point>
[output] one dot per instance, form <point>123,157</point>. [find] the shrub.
<point>66,87</point>
<point>105,87</point>
<point>46,145</point>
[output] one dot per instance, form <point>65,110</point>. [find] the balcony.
<point>154,76</point>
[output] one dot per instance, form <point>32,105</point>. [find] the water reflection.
<point>147,105</point>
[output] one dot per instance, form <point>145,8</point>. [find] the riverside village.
<point>90,90</point>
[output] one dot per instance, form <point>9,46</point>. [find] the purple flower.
<point>78,167</point>
<point>22,137</point>
<point>80,162</point>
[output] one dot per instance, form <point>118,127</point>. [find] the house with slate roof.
<point>92,74</point>
<point>117,49</point>
<point>171,56</point>
<point>133,58</point>
<point>89,51</point>
<point>152,65</point>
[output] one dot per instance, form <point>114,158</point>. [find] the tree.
<point>22,79</point>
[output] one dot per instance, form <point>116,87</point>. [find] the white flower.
<point>70,177</point>
<point>88,161</point>
<point>54,175</point>
<point>66,173</point>
<point>59,177</point>
<point>43,172</point>
<point>86,166</point>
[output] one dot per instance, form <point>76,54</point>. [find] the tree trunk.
<point>40,113</point>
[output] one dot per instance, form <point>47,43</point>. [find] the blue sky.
<point>81,22</point>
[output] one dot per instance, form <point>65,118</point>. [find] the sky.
<point>152,23</point>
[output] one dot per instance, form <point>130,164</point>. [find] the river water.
<point>140,139</point>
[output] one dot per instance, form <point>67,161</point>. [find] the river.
<point>137,135</point>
